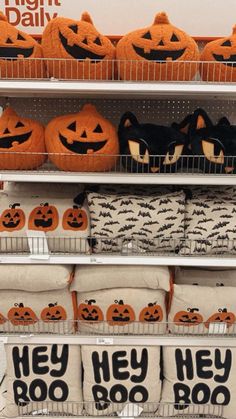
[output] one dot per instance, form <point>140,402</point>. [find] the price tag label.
<point>40,412</point>
<point>218,328</point>
<point>95,260</point>
<point>38,244</point>
<point>131,411</point>
<point>104,341</point>
<point>26,336</point>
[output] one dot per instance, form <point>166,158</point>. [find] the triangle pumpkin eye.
<point>20,37</point>
<point>74,28</point>
<point>147,35</point>
<point>98,129</point>
<point>97,41</point>
<point>226,43</point>
<point>6,131</point>
<point>72,126</point>
<point>19,124</point>
<point>174,38</point>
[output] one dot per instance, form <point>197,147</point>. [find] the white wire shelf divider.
<point>186,171</point>
<point>90,409</point>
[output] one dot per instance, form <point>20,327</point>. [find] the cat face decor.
<point>149,148</point>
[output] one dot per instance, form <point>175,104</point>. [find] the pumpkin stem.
<point>52,305</point>
<point>90,302</point>
<point>75,207</point>
<point>86,18</point>
<point>222,310</point>
<point>3,17</point>
<point>21,305</point>
<point>88,107</point>
<point>191,310</point>
<point>121,302</point>
<point>161,18</point>
<point>13,206</point>
<point>152,304</point>
<point>44,205</point>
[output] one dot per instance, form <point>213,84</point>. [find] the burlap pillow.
<point>136,223</point>
<point>91,278</point>
<point>197,309</point>
<point>35,277</point>
<point>36,312</point>
<point>66,227</point>
<point>43,373</point>
<point>205,277</point>
<point>116,375</point>
<point>122,310</point>
<point>203,377</point>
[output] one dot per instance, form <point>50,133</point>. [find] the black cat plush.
<point>216,143</point>
<point>149,147</point>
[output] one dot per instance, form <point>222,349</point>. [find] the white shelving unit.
<point>181,98</point>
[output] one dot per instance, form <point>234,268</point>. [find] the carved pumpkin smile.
<point>8,52</point>
<point>13,140</point>
<point>159,55</point>
<point>230,61</point>
<point>78,52</point>
<point>79,147</point>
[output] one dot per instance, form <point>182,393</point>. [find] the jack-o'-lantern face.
<point>20,315</point>
<point>120,313</point>
<point>12,219</point>
<point>151,313</point>
<point>16,47</point>
<point>77,41</point>
<point>20,135</point>
<point>159,46</point>
<point>87,141</point>
<point>75,219</point>
<point>44,218</point>
<point>90,312</point>
<point>222,316</point>
<point>221,59</point>
<point>53,312</point>
<point>191,317</point>
<point>2,319</point>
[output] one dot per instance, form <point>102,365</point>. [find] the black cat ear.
<point>199,120</point>
<point>223,122</point>
<point>184,125</point>
<point>128,120</point>
<point>79,199</point>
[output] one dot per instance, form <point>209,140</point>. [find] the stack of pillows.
<point>74,49</point>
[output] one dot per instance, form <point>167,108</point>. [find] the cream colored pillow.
<point>122,310</point>
<point>203,377</point>
<point>205,277</point>
<point>91,278</point>
<point>117,375</point>
<point>35,277</point>
<point>43,373</point>
<point>37,312</point>
<point>197,309</point>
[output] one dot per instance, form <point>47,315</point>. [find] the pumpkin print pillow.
<point>210,226</point>
<point>35,278</point>
<point>43,377</point>
<point>204,277</point>
<point>81,51</point>
<point>197,309</point>
<point>37,312</point>
<point>160,51</point>
<point>122,310</point>
<point>91,278</point>
<point>133,223</point>
<point>65,224</point>
<point>117,375</point>
<point>199,381</point>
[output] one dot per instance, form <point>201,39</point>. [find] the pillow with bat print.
<point>134,223</point>
<point>210,226</point>
<point>206,277</point>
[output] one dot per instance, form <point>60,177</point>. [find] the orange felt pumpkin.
<point>157,52</point>
<point>151,313</point>
<point>44,218</point>
<point>19,137</point>
<point>223,316</point>
<point>12,219</point>
<point>120,313</point>
<point>20,315</point>
<point>188,318</point>
<point>84,52</point>
<point>86,141</point>
<point>90,312</point>
<point>53,313</point>
<point>19,53</point>
<point>221,55</point>
<point>75,219</point>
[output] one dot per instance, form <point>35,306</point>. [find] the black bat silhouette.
<point>105,214</point>
<point>219,209</point>
<point>141,233</point>
<point>144,214</point>
<point>165,201</point>
<point>95,219</point>
<point>199,212</point>
<point>107,205</point>
<point>226,216</point>
<point>126,227</point>
<point>181,211</point>
<point>233,230</point>
<point>171,218</point>
<point>107,229</point>
<point>132,219</point>
<point>212,235</point>
<point>125,211</point>
<point>126,202</point>
<point>164,210</point>
<point>204,220</point>
<point>146,205</point>
<point>146,229</point>
<point>220,225</point>
<point>201,204</point>
<point>201,228</point>
<point>111,223</point>
<point>195,233</point>
<point>165,227</point>
<point>234,210</point>
<point>150,223</point>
